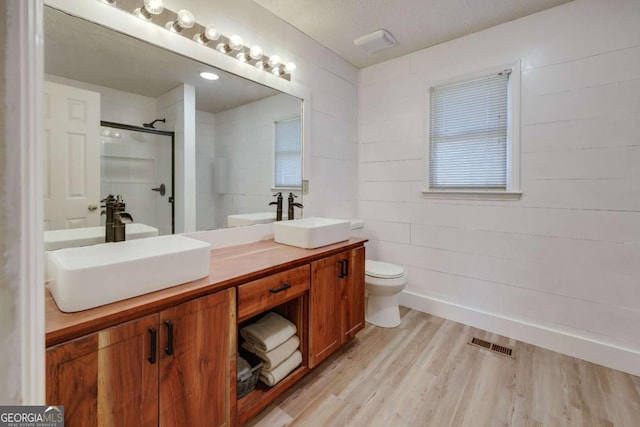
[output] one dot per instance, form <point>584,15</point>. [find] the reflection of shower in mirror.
<point>151,125</point>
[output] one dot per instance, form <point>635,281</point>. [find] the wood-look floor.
<point>424,373</point>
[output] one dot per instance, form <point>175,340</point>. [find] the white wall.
<point>561,266</point>
<point>245,143</point>
<point>205,167</point>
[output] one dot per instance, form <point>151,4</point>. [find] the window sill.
<point>286,188</point>
<point>471,194</point>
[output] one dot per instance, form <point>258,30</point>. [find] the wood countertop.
<point>230,266</point>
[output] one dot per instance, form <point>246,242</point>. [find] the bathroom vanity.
<point>169,357</point>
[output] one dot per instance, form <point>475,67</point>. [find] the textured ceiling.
<point>106,58</point>
<point>415,24</point>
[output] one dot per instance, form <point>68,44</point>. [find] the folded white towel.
<point>269,332</point>
<point>273,358</point>
<point>275,375</point>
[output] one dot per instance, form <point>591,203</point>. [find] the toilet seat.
<point>383,270</point>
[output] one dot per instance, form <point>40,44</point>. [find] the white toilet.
<point>383,282</point>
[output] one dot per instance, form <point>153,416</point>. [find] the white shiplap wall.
<point>561,266</point>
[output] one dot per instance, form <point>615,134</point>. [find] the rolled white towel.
<point>273,358</point>
<point>269,332</point>
<point>275,375</point>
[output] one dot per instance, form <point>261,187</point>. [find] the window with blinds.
<point>468,134</point>
<point>288,153</point>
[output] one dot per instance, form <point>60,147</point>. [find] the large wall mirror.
<point>121,117</point>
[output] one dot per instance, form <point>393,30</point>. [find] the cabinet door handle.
<point>346,267</point>
<point>342,265</point>
<point>281,288</point>
<point>152,350</point>
<point>169,349</point>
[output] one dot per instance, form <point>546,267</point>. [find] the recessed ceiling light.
<point>209,76</point>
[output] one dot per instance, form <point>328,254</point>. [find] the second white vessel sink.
<point>309,233</point>
<point>90,276</point>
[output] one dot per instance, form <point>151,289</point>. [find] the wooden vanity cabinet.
<point>173,368</point>
<point>352,302</point>
<point>106,378</point>
<point>336,307</point>
<point>198,365</point>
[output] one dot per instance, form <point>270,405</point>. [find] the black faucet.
<point>114,227</point>
<point>292,205</point>
<point>278,202</point>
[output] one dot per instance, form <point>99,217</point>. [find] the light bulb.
<point>184,20</point>
<point>242,57</point>
<point>149,8</point>
<point>274,61</point>
<point>223,47</point>
<point>210,33</point>
<point>255,52</point>
<point>276,71</point>
<point>235,42</point>
<point>154,7</point>
<point>289,67</point>
<point>260,65</point>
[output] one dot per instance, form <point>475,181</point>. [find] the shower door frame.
<point>172,199</point>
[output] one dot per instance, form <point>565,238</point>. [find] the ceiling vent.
<point>375,41</point>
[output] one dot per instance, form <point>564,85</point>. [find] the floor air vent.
<point>505,351</point>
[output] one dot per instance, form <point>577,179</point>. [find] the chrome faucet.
<point>290,213</point>
<point>278,203</point>
<point>117,218</point>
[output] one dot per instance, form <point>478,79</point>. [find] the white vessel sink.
<point>87,277</point>
<point>309,233</point>
<point>74,237</point>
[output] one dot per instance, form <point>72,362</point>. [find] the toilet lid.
<point>383,270</point>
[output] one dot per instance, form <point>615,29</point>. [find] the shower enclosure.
<point>138,164</point>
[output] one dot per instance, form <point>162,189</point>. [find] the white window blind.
<point>288,158</point>
<point>468,134</point>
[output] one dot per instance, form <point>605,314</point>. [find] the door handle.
<point>346,267</point>
<point>92,207</point>
<point>153,346</point>
<point>284,287</point>
<point>169,349</point>
<point>162,189</point>
<point>342,265</point>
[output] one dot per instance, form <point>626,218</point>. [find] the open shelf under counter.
<point>254,402</point>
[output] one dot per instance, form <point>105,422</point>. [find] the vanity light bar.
<point>183,22</point>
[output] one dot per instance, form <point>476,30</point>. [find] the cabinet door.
<point>324,309</point>
<point>198,362</point>
<point>352,295</point>
<point>108,378</point>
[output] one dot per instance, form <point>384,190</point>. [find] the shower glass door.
<point>137,164</point>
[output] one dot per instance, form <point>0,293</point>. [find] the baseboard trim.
<point>601,353</point>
